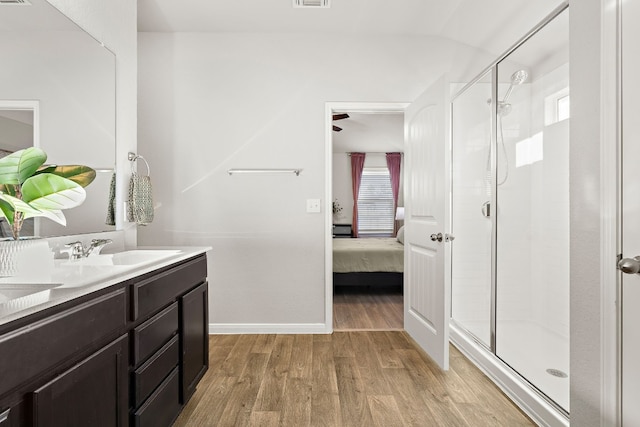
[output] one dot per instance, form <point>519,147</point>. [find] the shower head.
<point>517,79</point>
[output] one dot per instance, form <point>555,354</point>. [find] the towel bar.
<point>267,171</point>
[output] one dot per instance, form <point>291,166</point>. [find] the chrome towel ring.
<point>133,158</point>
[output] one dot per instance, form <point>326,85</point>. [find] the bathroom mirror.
<point>57,92</point>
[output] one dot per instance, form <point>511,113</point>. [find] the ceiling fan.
<point>339,117</point>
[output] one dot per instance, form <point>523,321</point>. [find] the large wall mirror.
<point>57,91</point>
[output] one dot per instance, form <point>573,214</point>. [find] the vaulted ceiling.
<point>491,25</point>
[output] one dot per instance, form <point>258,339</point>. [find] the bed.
<point>374,261</point>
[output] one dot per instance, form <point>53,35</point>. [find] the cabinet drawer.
<point>147,377</point>
<point>150,295</point>
<point>152,334</point>
<point>163,407</point>
<point>42,345</point>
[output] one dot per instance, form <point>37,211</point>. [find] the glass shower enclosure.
<point>510,210</point>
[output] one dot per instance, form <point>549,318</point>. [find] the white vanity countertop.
<point>75,280</point>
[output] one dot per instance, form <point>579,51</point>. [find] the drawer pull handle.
<point>5,415</point>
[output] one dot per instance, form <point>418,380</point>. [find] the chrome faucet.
<point>76,250</point>
<point>96,246</point>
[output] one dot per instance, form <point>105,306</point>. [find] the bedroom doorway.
<point>362,298</point>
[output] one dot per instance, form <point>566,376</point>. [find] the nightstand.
<point>342,230</point>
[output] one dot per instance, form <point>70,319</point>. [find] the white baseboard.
<point>269,328</point>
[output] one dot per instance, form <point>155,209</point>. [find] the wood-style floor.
<point>372,378</point>
<point>357,308</point>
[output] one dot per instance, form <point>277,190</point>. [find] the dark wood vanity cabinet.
<point>130,355</point>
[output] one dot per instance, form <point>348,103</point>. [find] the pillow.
<point>400,236</point>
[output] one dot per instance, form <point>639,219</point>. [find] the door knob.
<point>449,237</point>
<point>436,237</point>
<point>629,265</point>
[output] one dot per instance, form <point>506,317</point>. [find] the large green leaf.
<point>82,175</point>
<point>17,167</point>
<point>9,205</point>
<point>18,205</point>
<point>6,210</point>
<point>54,215</point>
<point>48,192</point>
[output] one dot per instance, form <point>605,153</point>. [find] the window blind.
<point>375,202</point>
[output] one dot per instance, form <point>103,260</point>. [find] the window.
<point>375,203</point>
<point>557,107</point>
<point>563,107</point>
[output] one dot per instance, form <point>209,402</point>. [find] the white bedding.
<point>368,255</point>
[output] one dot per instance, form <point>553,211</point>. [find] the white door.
<point>630,211</point>
<point>426,296</point>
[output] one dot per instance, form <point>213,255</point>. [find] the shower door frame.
<point>535,401</point>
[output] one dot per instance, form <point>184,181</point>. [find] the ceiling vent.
<point>311,3</point>
<point>15,2</point>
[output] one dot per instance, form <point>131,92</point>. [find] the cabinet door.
<point>194,339</point>
<point>93,393</point>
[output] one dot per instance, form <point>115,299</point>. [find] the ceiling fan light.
<point>311,3</point>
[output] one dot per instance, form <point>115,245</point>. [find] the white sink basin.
<point>142,256</point>
<point>131,258</point>
<point>93,269</point>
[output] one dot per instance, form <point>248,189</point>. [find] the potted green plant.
<point>29,188</point>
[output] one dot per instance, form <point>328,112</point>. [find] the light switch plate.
<point>313,205</point>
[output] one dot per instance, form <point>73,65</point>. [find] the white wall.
<point>113,22</point>
<point>209,102</point>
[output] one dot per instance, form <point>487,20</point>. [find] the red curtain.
<point>394,161</point>
<point>357,165</point>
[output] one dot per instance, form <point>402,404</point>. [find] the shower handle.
<point>629,265</point>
